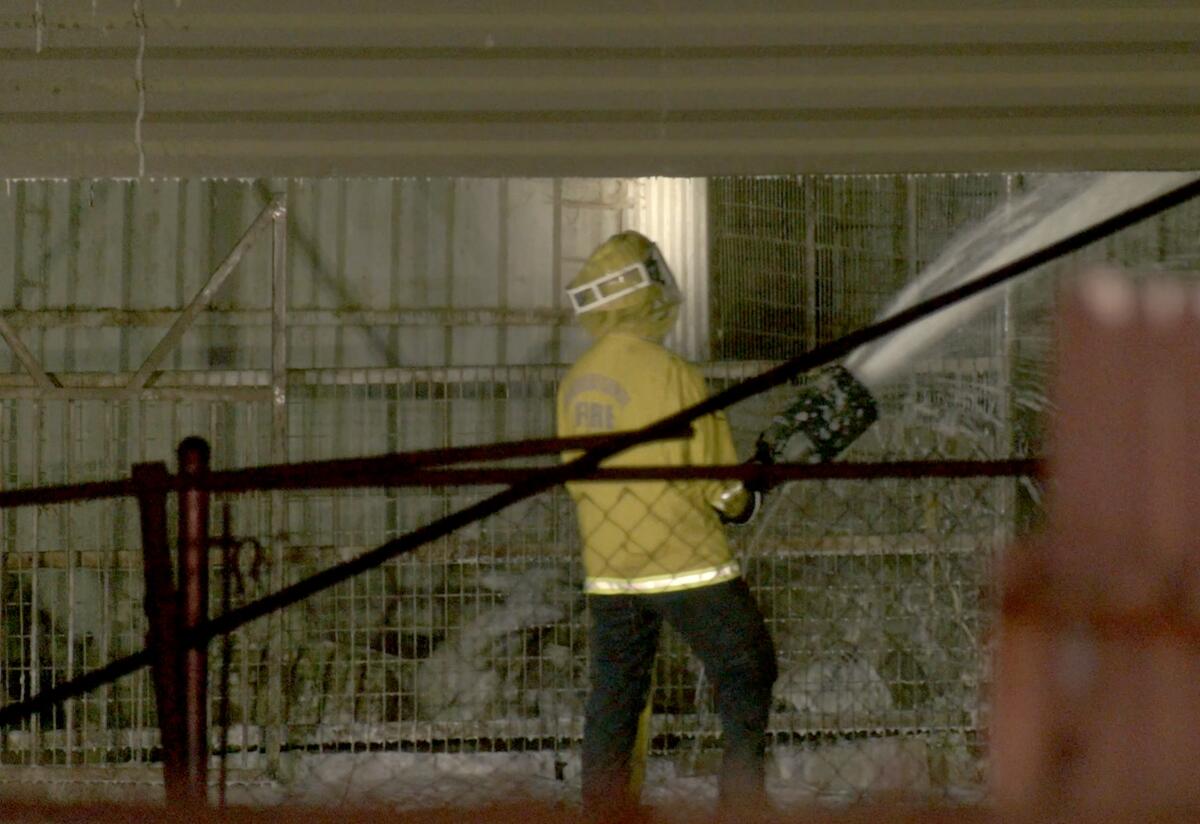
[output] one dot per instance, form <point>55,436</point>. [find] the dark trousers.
<point>725,629</point>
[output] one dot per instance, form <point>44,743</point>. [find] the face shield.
<point>624,281</point>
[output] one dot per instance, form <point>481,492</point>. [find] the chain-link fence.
<point>457,674</point>
<point>470,655</point>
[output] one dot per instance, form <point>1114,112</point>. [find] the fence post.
<point>193,583</point>
<point>162,615</point>
<point>1096,707</point>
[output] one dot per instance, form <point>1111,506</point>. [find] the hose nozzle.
<point>831,412</point>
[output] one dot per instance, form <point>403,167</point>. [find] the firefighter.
<point>656,551</point>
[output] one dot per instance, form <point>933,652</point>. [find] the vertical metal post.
<point>35,628</point>
<point>556,265</point>
<point>1096,703</point>
<point>502,330</point>
<point>279,454</point>
<point>1006,370</point>
<point>162,616</point>
<point>228,560</point>
<point>912,237</point>
<point>279,327</point>
<point>72,569</point>
<point>810,262</point>
<point>193,583</point>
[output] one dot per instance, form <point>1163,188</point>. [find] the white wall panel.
<point>673,212</point>
<point>382,271</point>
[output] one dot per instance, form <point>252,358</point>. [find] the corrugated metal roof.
<point>303,88</point>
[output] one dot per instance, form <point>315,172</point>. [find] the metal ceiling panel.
<point>178,88</point>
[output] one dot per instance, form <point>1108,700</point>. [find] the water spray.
<point>837,405</point>
<point>1057,208</point>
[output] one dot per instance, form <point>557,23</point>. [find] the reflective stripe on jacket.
<point>646,536</point>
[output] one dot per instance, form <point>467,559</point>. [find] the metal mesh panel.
<point>73,580</point>
<point>475,646</point>
<point>875,593</point>
<point>801,261</point>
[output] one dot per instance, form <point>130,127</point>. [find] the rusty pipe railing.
<point>193,586</point>
<point>235,482</point>
<point>162,619</point>
<point>175,610</point>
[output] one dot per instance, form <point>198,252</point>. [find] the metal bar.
<point>193,585</point>
<point>196,393</point>
<point>556,265</point>
<point>373,474</point>
<point>256,381</point>
<point>279,319</point>
<point>501,276</point>
<point>18,711</point>
<point>162,618</point>
<point>229,558</point>
<point>43,495</point>
<point>774,474</point>
<point>276,475</point>
<point>911,246</point>
<point>279,454</point>
<point>393,470</point>
<point>39,375</point>
<point>201,300</point>
<point>396,465</point>
<point>70,423</point>
<point>91,318</point>
<point>35,627</point>
<point>809,272</point>
<point>232,379</point>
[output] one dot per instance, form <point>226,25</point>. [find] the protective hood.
<point>625,285</point>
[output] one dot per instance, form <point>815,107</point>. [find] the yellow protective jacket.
<point>646,536</point>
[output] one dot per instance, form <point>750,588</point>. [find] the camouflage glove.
<point>831,412</point>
